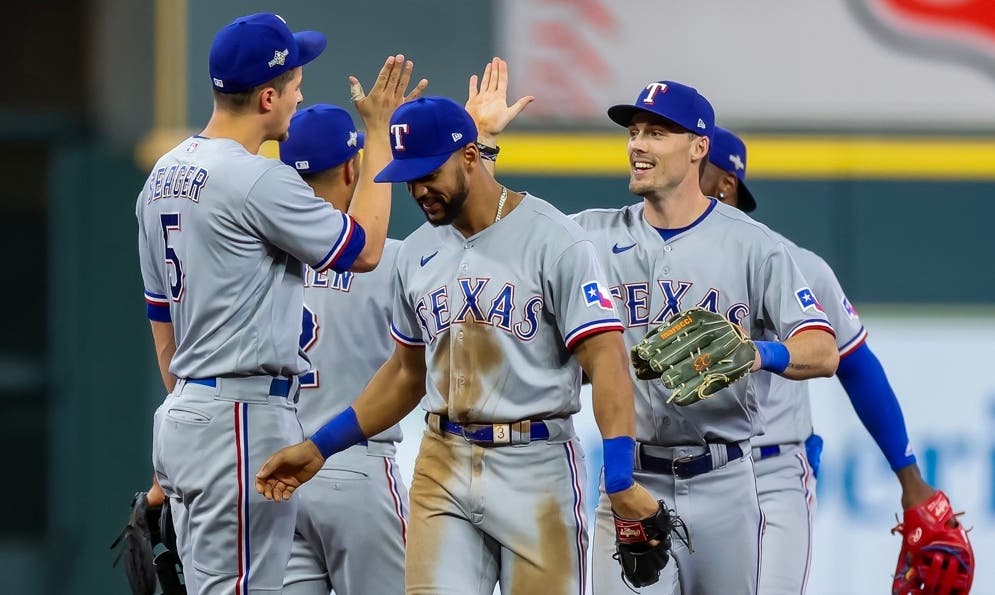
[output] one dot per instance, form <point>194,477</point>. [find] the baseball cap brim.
<point>414,168</point>
<point>746,201</point>
<point>310,44</point>
<point>623,115</point>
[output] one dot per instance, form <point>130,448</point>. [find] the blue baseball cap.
<point>728,153</point>
<point>321,137</point>
<point>259,47</point>
<point>424,133</point>
<point>680,104</point>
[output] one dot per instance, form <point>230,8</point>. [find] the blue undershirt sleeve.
<point>865,382</point>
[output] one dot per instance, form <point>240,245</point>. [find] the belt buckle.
<point>501,433</point>
<point>462,429</point>
<point>473,429</point>
<point>675,462</point>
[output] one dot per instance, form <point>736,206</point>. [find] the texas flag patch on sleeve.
<point>595,295</point>
<point>806,299</point>
<point>848,308</point>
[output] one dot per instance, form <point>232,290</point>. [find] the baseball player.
<point>786,457</point>
<point>498,304</point>
<point>223,238</point>
<point>351,519</point>
<point>657,254</point>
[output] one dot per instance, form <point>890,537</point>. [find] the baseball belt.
<point>497,434</point>
<point>278,387</point>
<point>773,450</point>
<point>715,456</point>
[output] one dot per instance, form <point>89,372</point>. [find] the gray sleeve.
<point>404,325</point>
<point>789,305</point>
<point>284,211</point>
<point>850,331</point>
<point>156,291</point>
<point>578,296</point>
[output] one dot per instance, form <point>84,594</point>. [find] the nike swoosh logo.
<point>425,259</point>
<point>620,249</point>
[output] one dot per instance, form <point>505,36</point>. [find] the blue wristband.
<point>339,434</point>
<point>620,454</point>
<point>774,356</point>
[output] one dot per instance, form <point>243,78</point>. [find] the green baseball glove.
<point>696,354</point>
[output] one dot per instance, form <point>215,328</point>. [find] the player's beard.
<point>452,208</point>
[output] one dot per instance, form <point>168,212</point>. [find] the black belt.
<point>685,467</point>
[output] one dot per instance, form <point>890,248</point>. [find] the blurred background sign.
<point>861,65</point>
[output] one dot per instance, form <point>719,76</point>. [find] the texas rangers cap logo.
<point>961,31</point>
<point>397,132</point>
<point>651,90</point>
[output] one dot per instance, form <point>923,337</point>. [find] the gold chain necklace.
<point>504,197</point>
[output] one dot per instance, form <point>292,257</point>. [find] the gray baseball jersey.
<point>500,312</point>
<point>786,482</point>
<point>345,309</point>
<point>222,238</point>
<point>498,315</point>
<point>725,262</point>
<point>352,517</point>
<point>787,407</point>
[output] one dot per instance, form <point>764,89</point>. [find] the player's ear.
<point>471,156</point>
<point>266,98</point>
<point>728,185</point>
<point>699,148</point>
<point>351,170</point>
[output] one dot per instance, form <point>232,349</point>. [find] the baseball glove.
<point>936,556</point>
<point>695,354</point>
<point>642,562</point>
<point>137,540</point>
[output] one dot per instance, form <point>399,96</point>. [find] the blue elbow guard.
<point>620,456</point>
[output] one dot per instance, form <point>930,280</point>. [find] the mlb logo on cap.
<point>257,48</point>
<point>679,103</point>
<point>320,137</point>
<point>424,133</point>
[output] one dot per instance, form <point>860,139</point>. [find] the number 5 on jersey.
<point>171,222</point>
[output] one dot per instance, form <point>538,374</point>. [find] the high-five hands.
<point>488,105</point>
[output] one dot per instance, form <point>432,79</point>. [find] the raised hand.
<point>488,103</point>
<point>387,93</point>
<point>287,469</point>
